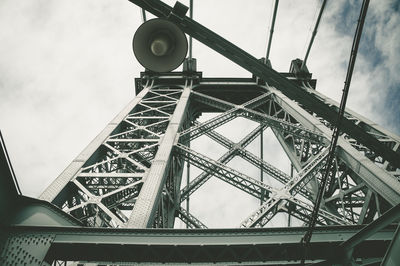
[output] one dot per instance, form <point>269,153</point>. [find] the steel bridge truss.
<point>131,174</point>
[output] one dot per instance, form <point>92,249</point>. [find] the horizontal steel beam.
<point>282,125</point>
<point>195,245</point>
<point>223,172</point>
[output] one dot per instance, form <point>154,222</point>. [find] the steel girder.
<point>144,211</point>
<point>41,245</point>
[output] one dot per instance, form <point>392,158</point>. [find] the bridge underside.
<point>278,246</point>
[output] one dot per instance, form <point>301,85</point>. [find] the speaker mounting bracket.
<point>178,12</point>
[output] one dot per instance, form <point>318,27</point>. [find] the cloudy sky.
<point>67,68</point>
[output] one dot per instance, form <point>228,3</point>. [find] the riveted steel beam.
<point>236,246</point>
<point>146,205</point>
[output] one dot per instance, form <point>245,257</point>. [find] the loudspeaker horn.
<point>159,45</point>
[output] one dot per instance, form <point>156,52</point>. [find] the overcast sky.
<point>67,68</point>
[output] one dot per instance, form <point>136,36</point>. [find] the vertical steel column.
<point>190,62</point>
<point>146,205</point>
<point>190,37</point>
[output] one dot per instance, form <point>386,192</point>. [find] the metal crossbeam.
<point>223,172</point>
<point>265,213</point>
<point>197,182</point>
<point>273,122</point>
<point>189,219</point>
<point>248,184</point>
<point>236,246</point>
<point>239,150</point>
<point>262,215</point>
<point>304,210</point>
<point>203,177</point>
<point>300,209</point>
<point>201,128</point>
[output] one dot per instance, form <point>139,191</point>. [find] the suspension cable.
<point>314,33</point>
<point>188,163</point>
<point>271,32</point>
<point>336,131</point>
<point>190,37</point>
